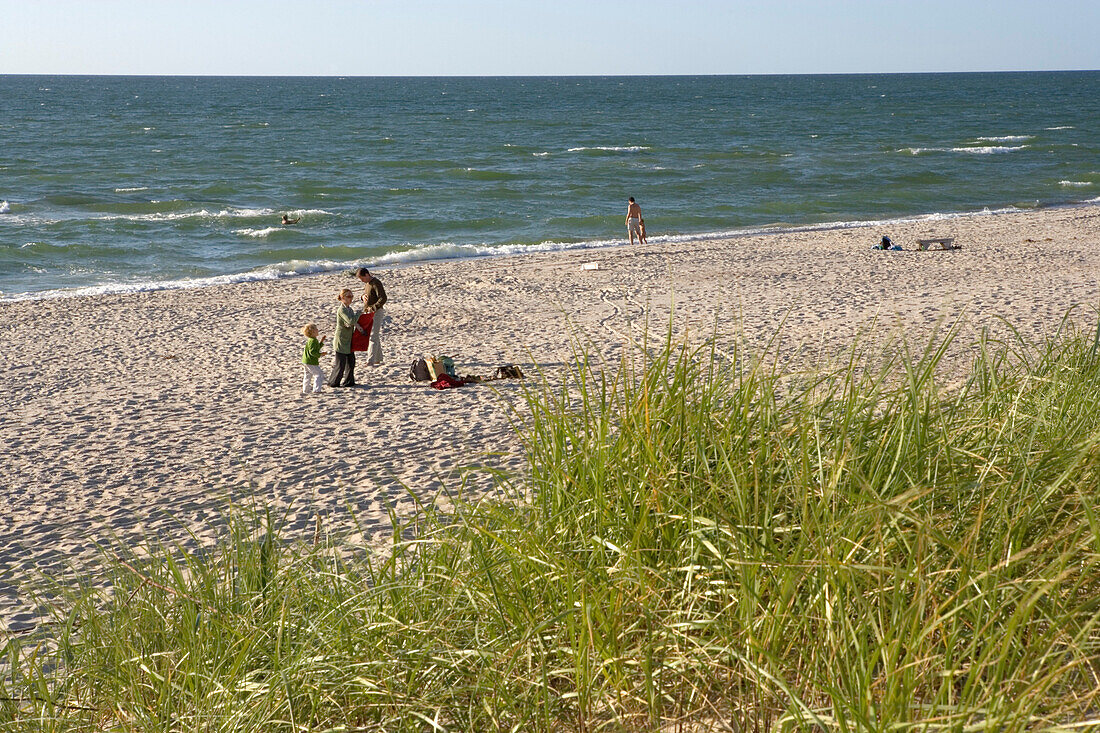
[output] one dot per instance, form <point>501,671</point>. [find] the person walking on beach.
<point>311,360</point>
<point>634,221</point>
<point>374,298</point>
<point>343,370</point>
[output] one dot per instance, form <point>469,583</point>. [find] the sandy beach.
<point>138,416</point>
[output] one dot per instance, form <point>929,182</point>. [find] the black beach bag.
<point>418,372</point>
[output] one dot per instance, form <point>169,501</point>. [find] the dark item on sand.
<point>418,372</point>
<point>943,242</point>
<point>361,341</point>
<point>508,371</point>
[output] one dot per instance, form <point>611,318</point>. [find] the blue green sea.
<point>114,184</point>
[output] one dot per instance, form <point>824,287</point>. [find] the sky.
<point>550,37</point>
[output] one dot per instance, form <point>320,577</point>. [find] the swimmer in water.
<point>287,221</point>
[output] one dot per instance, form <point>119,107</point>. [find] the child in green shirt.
<point>314,376</point>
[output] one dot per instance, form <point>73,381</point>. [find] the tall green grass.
<point>702,542</point>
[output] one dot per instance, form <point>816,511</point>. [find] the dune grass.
<point>703,542</point>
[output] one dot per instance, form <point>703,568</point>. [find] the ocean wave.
<point>310,212</point>
<point>1075,183</point>
<point>277,271</point>
<point>1063,127</point>
<point>131,190</point>
<point>1005,139</point>
<point>5,207</point>
<point>259,232</point>
<point>447,250</point>
<point>227,213</point>
<point>971,150</point>
<point>990,149</point>
<point>612,148</point>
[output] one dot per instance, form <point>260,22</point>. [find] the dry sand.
<point>138,416</point>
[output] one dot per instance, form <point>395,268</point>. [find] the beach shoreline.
<point>415,256</point>
<point>138,415</point>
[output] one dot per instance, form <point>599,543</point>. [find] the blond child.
<point>347,323</point>
<point>311,360</point>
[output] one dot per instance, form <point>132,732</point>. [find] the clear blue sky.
<point>484,37</point>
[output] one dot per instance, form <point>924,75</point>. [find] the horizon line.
<point>548,76</point>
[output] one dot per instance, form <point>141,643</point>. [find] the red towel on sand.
<point>446,381</point>
<point>361,341</point>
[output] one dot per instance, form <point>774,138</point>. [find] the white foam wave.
<point>613,148</point>
<point>971,150</point>
<point>5,207</point>
<point>131,190</point>
<point>230,213</point>
<point>258,232</point>
<point>310,212</point>
<point>227,213</point>
<point>1063,127</point>
<point>540,155</point>
<point>989,149</point>
<point>269,272</point>
<point>1005,139</point>
<point>1075,183</point>
<point>449,250</point>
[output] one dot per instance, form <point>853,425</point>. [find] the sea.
<point>117,184</point>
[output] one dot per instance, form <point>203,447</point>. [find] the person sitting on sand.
<point>347,323</point>
<point>287,221</point>
<point>313,374</point>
